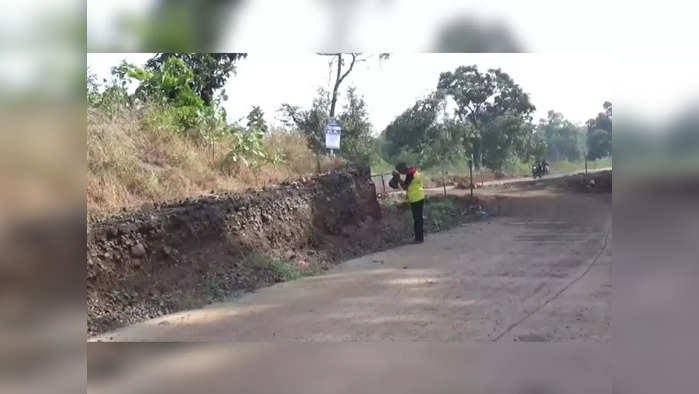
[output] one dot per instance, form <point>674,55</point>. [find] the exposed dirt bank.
<point>170,257</point>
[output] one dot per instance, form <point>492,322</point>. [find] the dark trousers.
<point>416,207</point>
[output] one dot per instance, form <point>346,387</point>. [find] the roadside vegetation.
<point>159,132</point>
<point>165,142</point>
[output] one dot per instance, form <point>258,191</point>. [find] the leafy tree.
<point>598,144</point>
<point>170,88</point>
<point>256,120</point>
<point>564,140</point>
<point>310,122</point>
<point>409,129</point>
<point>481,98</point>
<point>210,71</point>
<point>442,143</point>
<point>535,147</point>
<point>171,83</point>
<point>599,133</point>
<point>504,139</point>
<point>113,96</point>
<point>357,143</point>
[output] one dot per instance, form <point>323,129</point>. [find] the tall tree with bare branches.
<point>354,57</point>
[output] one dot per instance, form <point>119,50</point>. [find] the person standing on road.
<point>416,196</point>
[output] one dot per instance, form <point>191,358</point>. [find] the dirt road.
<point>382,188</point>
<point>538,271</point>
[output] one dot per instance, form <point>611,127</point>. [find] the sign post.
<point>332,135</point>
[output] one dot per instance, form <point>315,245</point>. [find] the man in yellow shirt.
<point>416,197</point>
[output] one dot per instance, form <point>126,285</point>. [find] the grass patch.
<point>600,163</point>
<point>234,296</point>
<point>280,270</point>
<point>518,168</point>
<point>567,166</point>
<point>441,214</point>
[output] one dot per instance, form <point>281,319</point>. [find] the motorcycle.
<point>395,181</point>
<point>539,171</point>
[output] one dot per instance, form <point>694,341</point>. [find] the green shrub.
<point>246,149</point>
<point>514,166</point>
<point>440,214</point>
<point>280,270</point>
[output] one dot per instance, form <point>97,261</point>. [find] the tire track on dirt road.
<point>561,291</point>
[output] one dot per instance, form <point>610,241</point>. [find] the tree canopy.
<point>599,133</point>
<point>409,129</point>
<point>481,98</point>
<point>210,71</point>
<point>310,122</point>
<point>357,142</point>
<point>564,140</point>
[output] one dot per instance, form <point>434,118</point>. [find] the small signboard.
<point>332,134</point>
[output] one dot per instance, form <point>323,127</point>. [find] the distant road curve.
<point>379,187</point>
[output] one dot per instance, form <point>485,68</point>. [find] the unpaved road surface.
<point>380,188</point>
<point>539,270</point>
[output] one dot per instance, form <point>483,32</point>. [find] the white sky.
<point>573,85</point>
<point>544,26</point>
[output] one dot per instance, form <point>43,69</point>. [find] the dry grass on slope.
<point>130,164</point>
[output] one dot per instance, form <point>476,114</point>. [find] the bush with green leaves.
<point>357,143</point>
<point>256,119</point>
<point>441,214</point>
<point>109,98</point>
<point>246,149</point>
<point>169,90</point>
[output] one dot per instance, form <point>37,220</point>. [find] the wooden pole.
<point>470,172</point>
<point>383,183</point>
<point>444,183</point>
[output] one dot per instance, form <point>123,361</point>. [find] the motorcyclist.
<point>544,166</point>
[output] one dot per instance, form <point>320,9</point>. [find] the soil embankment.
<point>142,264</point>
<point>170,257</point>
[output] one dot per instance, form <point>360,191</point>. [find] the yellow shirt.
<point>415,191</point>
